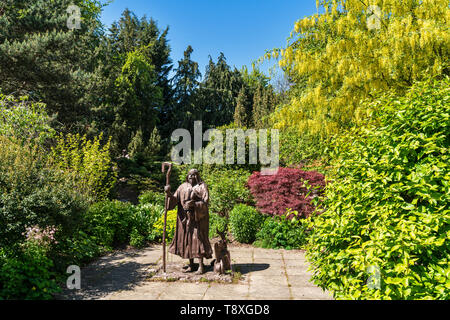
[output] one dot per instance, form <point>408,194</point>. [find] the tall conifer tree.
<point>41,57</point>
<point>185,82</point>
<point>243,108</point>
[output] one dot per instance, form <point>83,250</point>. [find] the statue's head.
<point>193,177</point>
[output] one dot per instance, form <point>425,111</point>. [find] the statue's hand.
<point>167,189</point>
<point>190,204</point>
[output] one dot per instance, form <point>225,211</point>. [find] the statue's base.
<point>174,272</point>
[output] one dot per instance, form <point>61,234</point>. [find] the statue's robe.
<point>191,239</point>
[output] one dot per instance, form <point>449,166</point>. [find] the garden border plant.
<point>388,205</point>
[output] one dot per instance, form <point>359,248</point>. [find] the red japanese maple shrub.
<point>286,189</point>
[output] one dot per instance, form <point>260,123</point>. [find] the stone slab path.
<point>266,274</point>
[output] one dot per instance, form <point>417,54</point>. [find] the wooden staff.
<point>166,204</point>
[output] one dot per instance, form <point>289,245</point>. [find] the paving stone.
<point>241,257</point>
<point>274,292</point>
<point>180,296</point>
<point>257,269</point>
<point>297,270</point>
<point>268,297</point>
<point>268,280</point>
<point>186,287</point>
<point>310,293</point>
<point>271,271</point>
<point>226,292</point>
<point>183,291</point>
<point>269,255</point>
<point>134,296</point>
<point>295,263</point>
<point>274,287</point>
<point>300,280</point>
<point>293,255</point>
<point>272,263</point>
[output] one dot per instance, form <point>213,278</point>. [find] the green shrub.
<point>217,222</point>
<point>33,193</point>
<point>136,147</point>
<point>137,239</point>
<point>152,197</point>
<point>281,232</point>
<point>113,223</point>
<point>146,177</point>
<point>140,151</point>
<point>24,120</point>
<point>89,164</point>
<point>300,147</point>
<point>77,249</point>
<point>110,223</point>
<point>144,218</point>
<point>25,273</point>
<point>226,187</point>
<point>245,222</point>
<point>388,205</point>
<point>158,227</point>
<point>153,148</point>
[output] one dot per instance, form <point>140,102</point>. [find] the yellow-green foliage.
<point>171,223</point>
<point>24,120</point>
<point>335,59</point>
<point>88,162</point>
<point>17,160</point>
<point>387,207</point>
<point>33,193</point>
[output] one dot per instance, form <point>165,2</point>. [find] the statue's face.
<point>193,177</point>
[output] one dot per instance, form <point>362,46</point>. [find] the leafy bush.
<point>137,239</point>
<point>33,193</point>
<point>113,223</point>
<point>139,151</point>
<point>153,148</point>
<point>297,147</point>
<point>282,232</point>
<point>136,147</point>
<point>217,222</point>
<point>146,177</point>
<point>158,227</point>
<point>110,223</point>
<point>152,197</point>
<point>24,120</point>
<point>25,273</point>
<point>245,222</point>
<point>100,231</point>
<point>388,206</point>
<point>144,218</point>
<point>77,249</point>
<point>288,189</point>
<point>226,187</point>
<point>88,162</point>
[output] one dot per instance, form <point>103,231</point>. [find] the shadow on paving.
<point>107,275</point>
<point>245,268</point>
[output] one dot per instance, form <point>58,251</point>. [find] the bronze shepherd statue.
<point>192,228</point>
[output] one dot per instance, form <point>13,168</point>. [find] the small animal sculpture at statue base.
<point>222,262</point>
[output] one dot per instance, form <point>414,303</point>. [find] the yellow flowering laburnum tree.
<point>353,48</point>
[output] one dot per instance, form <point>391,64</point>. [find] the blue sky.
<point>241,29</point>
